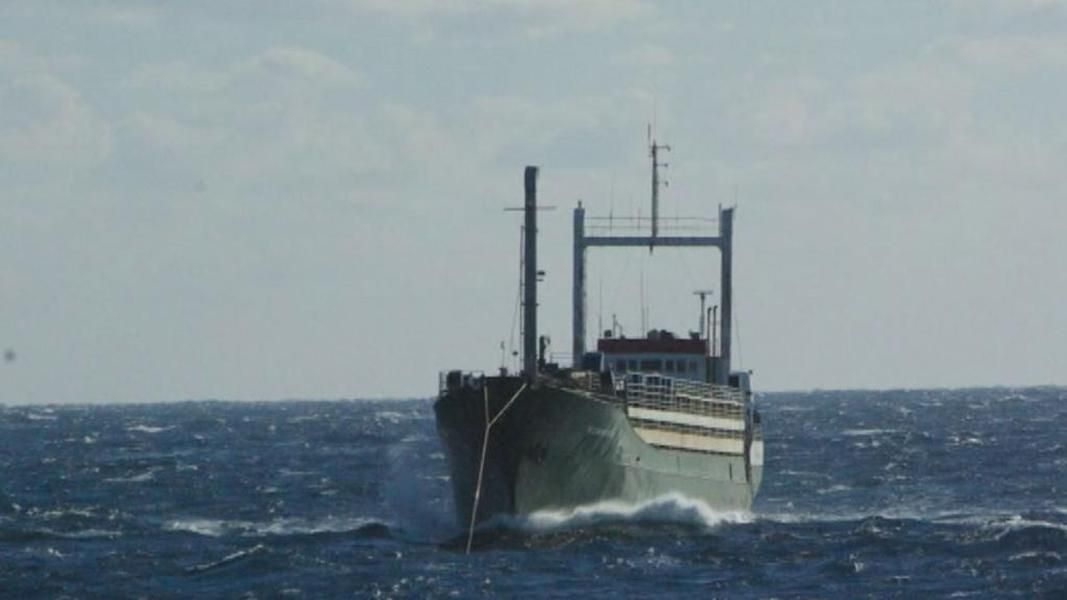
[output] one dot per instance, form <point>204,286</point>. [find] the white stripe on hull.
<point>687,419</point>
<point>756,453</point>
<point>690,441</point>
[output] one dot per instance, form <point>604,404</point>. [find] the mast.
<point>653,151</point>
<point>578,306</point>
<point>726,234</point>
<point>529,278</point>
<point>723,241</point>
<point>703,303</point>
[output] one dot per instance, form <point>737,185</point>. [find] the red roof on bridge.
<point>647,346</point>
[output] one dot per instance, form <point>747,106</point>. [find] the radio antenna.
<point>653,152</point>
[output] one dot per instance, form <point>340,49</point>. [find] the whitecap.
<point>148,428</point>
<point>56,514</point>
<point>672,508</point>
<point>297,526</point>
<point>277,527</point>
<point>392,416</point>
<point>1034,554</point>
<point>89,534</point>
<point>1017,522</point>
<point>834,489</point>
<point>229,558</point>
<point>39,417</point>
<point>864,432</point>
<point>148,475</point>
<point>206,527</point>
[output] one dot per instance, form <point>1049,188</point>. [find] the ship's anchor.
<point>485,445</point>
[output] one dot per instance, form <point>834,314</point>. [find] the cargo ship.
<point>631,420</point>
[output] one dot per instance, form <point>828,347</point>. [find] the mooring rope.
<point>485,446</point>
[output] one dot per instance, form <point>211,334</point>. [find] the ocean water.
<point>948,493</point>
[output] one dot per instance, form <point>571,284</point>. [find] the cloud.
<point>291,63</point>
<point>44,121</point>
<point>288,115</point>
<point>536,18</point>
<point>1016,52</point>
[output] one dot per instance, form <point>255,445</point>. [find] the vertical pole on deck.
<point>529,301</point>
<point>726,232</point>
<point>578,333</point>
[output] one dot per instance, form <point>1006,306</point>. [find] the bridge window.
<point>668,366</point>
<point>620,366</point>
<point>651,365</point>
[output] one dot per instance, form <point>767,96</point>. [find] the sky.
<point>273,200</point>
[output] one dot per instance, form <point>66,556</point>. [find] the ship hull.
<point>558,448</point>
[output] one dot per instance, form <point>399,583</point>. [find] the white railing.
<point>470,379</point>
<point>683,395</point>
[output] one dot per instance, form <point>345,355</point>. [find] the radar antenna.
<point>653,152</point>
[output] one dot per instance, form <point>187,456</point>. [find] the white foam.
<point>1055,556</point>
<point>834,489</point>
<point>148,428</point>
<point>672,508</point>
<point>88,534</point>
<point>56,514</point>
<point>37,417</point>
<point>148,475</point>
<point>1017,522</point>
<point>296,526</point>
<point>286,526</point>
<point>230,558</point>
<point>865,432</point>
<point>206,527</point>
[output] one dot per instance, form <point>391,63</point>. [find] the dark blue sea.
<point>946,493</point>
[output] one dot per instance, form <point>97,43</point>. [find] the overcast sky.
<point>265,200</point>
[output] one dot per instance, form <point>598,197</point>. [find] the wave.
<point>995,525</point>
<point>33,534</point>
<point>867,432</point>
<point>39,417</point>
<point>228,559</point>
<point>670,508</point>
<point>205,527</point>
<point>148,428</point>
<point>673,513</point>
<point>361,526</point>
<point>1018,526</point>
<point>148,475</point>
<point>84,534</point>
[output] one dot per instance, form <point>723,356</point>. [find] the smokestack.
<point>529,279</point>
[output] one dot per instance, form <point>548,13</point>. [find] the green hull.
<point>556,449</point>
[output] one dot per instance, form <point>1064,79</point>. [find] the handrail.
<point>469,379</point>
<point>697,389</point>
<point>683,395</point>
